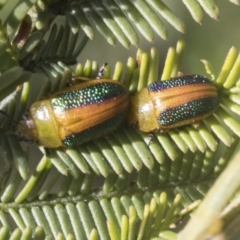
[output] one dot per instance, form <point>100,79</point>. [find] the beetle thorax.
<point>142,111</point>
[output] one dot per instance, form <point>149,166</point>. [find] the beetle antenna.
<point>7,115</point>
<point>102,70</point>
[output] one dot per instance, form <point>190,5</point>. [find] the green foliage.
<point>123,186</point>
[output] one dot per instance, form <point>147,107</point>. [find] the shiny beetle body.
<point>77,114</point>
<point>95,108</point>
<point>173,103</point>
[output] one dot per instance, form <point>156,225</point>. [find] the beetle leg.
<point>196,125</point>
<point>180,74</point>
<point>77,80</point>
<point>150,138</point>
<point>70,81</point>
<point>163,130</point>
<point>102,70</point>
<point>47,152</point>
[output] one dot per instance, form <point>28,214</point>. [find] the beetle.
<point>77,114</point>
<point>173,103</point>
<point>95,108</point>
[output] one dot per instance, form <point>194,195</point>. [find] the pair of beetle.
<point>95,108</point>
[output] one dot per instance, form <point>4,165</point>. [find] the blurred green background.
<point>211,40</point>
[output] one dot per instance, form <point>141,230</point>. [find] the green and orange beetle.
<point>95,108</point>
<point>173,103</point>
<point>77,114</point>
